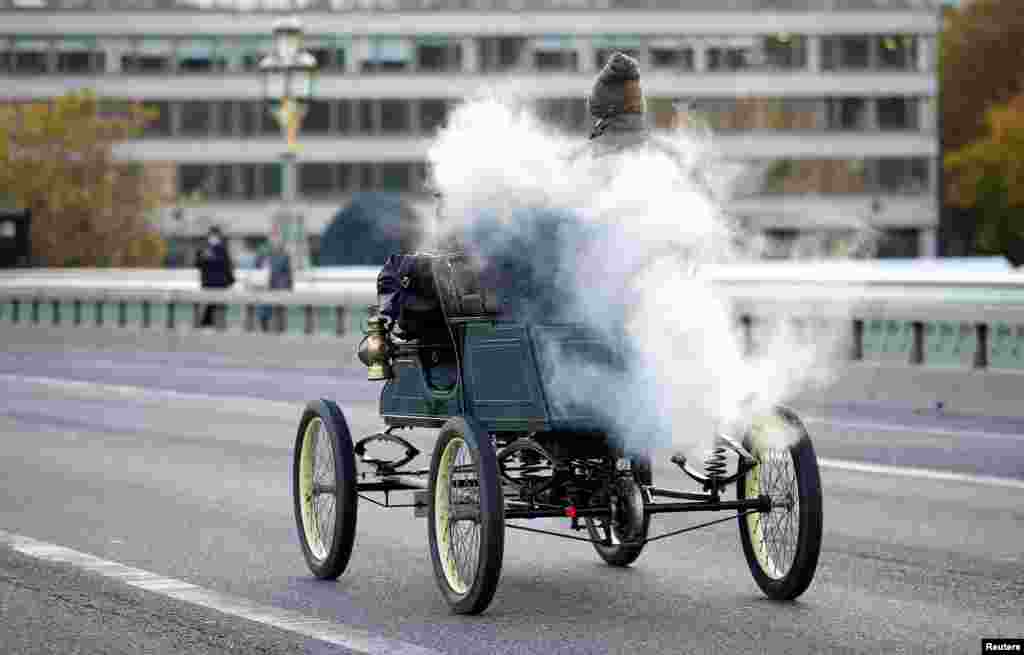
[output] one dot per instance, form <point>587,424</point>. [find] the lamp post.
<point>289,74</point>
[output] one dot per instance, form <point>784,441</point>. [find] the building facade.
<point>832,101</point>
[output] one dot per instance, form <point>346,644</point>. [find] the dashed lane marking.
<point>876,426</point>
<point>349,637</point>
<point>913,472</point>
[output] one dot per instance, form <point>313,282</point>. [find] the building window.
<point>394,176</point>
<point>814,176</point>
<point>271,177</point>
<point>248,175</point>
<point>497,54</point>
<point>345,177</point>
<point>79,57</point>
<point>316,179</point>
<point>149,56</point>
<point>224,180</point>
<point>438,55</point>
<point>196,118</point>
<point>29,57</point>
<point>904,242</point>
<point>779,243</point>
<point>387,55</point>
<point>784,52</point>
<point>365,178</point>
<point>846,113</point>
<point>668,56</point>
<point>195,179</point>
<point>902,174</point>
<point>897,52</point>
<point>367,117</point>
<point>731,58</point>
<point>267,122</point>
<point>432,114</point>
<point>318,117</point>
<point>394,116</point>
<point>160,124</point>
<point>897,113</point>
<point>200,56</point>
<point>552,61</point>
<point>249,117</point>
<point>846,52</point>
<point>251,51</point>
<point>344,118</point>
<point>554,54</point>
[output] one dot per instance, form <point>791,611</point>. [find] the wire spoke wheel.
<point>324,489</point>
<point>782,545</point>
<point>623,538</point>
<point>466,517</point>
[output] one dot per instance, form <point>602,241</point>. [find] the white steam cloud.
<point>617,242</point>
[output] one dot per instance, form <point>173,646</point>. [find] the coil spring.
<point>715,465</point>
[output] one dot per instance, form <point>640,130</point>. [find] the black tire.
<point>623,554</point>
<point>784,560</point>
<point>323,433</point>
<point>467,559</point>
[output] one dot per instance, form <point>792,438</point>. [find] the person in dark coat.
<point>616,105</point>
<point>216,271</point>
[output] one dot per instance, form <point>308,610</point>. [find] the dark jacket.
<point>619,132</point>
<point>216,270</point>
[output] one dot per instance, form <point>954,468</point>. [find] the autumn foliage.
<point>88,208</point>
<point>982,65</point>
<point>988,175</point>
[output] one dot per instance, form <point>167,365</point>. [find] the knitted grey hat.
<point>617,88</point>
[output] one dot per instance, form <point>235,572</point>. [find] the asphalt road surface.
<point>178,465</point>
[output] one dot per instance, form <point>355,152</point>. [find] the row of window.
<point>33,55</point>
<point>790,243</point>
<point>256,181</point>
<point>202,118</point>
<point>323,179</point>
<point>878,175</point>
<point>243,118</point>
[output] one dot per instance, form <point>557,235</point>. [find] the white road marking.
<point>913,472</point>
<point>920,429</point>
<point>349,637</point>
<point>274,407</point>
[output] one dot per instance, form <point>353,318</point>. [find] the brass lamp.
<point>375,350</point>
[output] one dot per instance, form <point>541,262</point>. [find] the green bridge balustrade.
<point>917,320</point>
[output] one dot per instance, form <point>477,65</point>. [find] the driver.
<point>616,104</point>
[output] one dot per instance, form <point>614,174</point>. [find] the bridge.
<point>147,482</point>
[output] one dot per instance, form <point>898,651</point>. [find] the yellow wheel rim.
<point>317,489</point>
<point>774,534</point>
<point>458,538</point>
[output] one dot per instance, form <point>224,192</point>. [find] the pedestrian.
<point>278,265</point>
<point>216,271</point>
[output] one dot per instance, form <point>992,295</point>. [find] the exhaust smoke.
<point>617,242</point>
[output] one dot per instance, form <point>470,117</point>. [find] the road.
<point>178,464</point>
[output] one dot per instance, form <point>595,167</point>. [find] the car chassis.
<point>506,451</point>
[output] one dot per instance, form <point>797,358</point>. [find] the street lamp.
<point>289,75</point>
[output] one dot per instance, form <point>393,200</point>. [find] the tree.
<point>88,209</point>
<point>982,65</point>
<point>988,175</point>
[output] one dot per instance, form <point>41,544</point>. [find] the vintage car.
<point>453,356</point>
